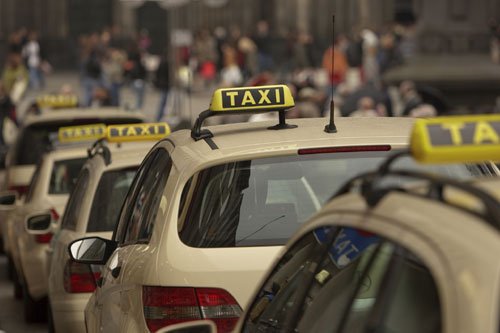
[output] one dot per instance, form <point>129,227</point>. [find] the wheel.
<point>18,287</point>
<point>50,319</point>
<point>10,268</point>
<point>35,311</point>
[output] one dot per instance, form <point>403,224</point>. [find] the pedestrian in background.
<point>7,111</point>
<point>113,74</point>
<point>162,83</point>
<point>92,76</point>
<point>135,72</point>
<point>15,77</point>
<point>32,54</point>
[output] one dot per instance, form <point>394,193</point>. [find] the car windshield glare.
<point>64,174</point>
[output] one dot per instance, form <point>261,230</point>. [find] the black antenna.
<point>331,128</point>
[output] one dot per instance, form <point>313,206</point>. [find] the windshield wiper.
<point>256,231</point>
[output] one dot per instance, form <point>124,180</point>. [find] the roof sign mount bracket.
<point>282,122</point>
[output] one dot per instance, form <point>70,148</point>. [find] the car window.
<point>108,199</point>
<point>33,183</point>
<point>64,174</point>
<point>346,280</point>
<point>264,201</point>
<point>74,205</point>
<point>147,196</point>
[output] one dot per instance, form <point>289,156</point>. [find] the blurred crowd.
<point>350,71</point>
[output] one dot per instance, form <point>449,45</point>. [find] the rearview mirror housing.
<point>91,250</point>
<point>38,224</point>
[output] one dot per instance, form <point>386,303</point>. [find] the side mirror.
<point>8,199</point>
<point>91,250</point>
<point>38,224</point>
<point>197,326</point>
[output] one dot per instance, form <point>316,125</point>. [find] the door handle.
<point>115,272</point>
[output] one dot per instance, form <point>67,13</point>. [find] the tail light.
<point>43,238</point>
<point>20,189</point>
<point>345,149</point>
<point>79,278</point>
<point>166,306</point>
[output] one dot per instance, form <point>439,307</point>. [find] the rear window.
<point>64,175</point>
<point>264,201</point>
<point>37,138</point>
<point>108,199</point>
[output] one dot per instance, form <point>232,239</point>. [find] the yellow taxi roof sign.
<point>82,133</point>
<point>57,101</point>
<point>260,98</point>
<point>137,132</point>
<point>456,139</point>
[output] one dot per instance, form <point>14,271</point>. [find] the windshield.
<point>333,279</point>
<point>263,201</point>
<point>108,199</point>
<point>64,174</point>
<point>37,139</point>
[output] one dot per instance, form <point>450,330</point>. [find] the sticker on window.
<point>348,246</point>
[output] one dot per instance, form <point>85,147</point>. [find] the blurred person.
<point>15,42</point>
<point>423,111</point>
<point>113,74</point>
<point>32,54</point>
<point>7,111</point>
<point>248,49</point>
<point>366,108</point>
<point>15,77</point>
<point>231,75</point>
<point>135,72</point>
<point>264,42</point>
<point>162,83</point>
<point>495,41</point>
<point>389,55</point>
<point>205,51</point>
<point>220,35</point>
<point>92,76</point>
<point>370,64</point>
<point>301,51</point>
<point>410,97</point>
<point>101,97</point>
<point>354,57</point>
<point>336,57</point>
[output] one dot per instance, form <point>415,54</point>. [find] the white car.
<point>36,133</point>
<point>92,210</point>
<point>381,258</point>
<point>43,205</point>
<point>210,209</point>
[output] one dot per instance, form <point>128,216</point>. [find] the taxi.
<point>39,130</point>
<point>210,208</point>
<point>92,210</point>
<point>25,236</point>
<point>383,257</point>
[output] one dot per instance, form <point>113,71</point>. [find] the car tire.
<point>10,268</point>
<point>35,311</point>
<point>50,319</point>
<point>18,287</point>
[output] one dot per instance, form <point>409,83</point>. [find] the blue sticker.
<point>348,246</point>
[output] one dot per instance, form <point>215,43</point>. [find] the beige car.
<point>38,133</point>
<point>211,208</point>
<point>394,258</point>
<point>92,210</point>
<point>27,238</point>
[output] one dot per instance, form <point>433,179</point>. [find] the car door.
<point>335,278</point>
<point>133,230</point>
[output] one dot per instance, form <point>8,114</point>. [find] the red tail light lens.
<point>166,306</point>
<point>79,278</point>
<point>55,215</point>
<point>346,149</point>
<point>43,238</point>
<point>20,189</point>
